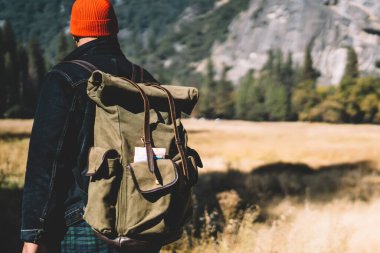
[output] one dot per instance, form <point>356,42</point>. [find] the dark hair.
<point>76,38</point>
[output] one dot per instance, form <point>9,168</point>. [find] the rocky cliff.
<point>175,38</point>
<point>290,25</point>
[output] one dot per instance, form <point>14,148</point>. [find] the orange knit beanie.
<point>93,18</point>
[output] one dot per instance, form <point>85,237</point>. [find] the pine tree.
<point>272,79</point>
<point>275,100</point>
<point>224,99</point>
<point>352,68</point>
<point>348,87</point>
<point>289,82</point>
<point>9,41</point>
<point>270,61</point>
<point>351,71</point>
<point>256,109</point>
<point>2,74</point>
<point>24,93</point>
<point>64,47</point>
<point>241,104</point>
<point>36,62</point>
<point>207,99</point>
<point>11,68</point>
<point>10,79</point>
<point>308,71</point>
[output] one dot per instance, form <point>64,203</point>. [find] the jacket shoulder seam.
<point>79,82</point>
<point>63,74</point>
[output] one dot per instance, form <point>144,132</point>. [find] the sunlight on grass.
<point>265,188</point>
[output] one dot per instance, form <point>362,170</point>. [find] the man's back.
<point>55,189</point>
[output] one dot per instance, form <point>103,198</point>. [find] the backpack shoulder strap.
<point>84,64</point>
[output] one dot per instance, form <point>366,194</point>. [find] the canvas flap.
<point>96,157</point>
<point>146,182</point>
<point>99,82</point>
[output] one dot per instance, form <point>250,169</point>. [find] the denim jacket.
<point>55,190</point>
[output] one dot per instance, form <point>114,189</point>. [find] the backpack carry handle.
<point>173,114</point>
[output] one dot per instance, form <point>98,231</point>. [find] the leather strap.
<point>173,114</point>
<point>147,138</point>
<point>86,65</point>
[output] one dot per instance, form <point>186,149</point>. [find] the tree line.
<point>280,91</point>
<point>22,68</point>
<point>283,91</point>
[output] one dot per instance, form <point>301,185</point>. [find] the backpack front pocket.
<point>106,172</point>
<point>145,198</point>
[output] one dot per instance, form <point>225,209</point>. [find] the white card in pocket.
<point>140,154</point>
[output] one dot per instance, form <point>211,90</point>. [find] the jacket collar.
<point>102,45</point>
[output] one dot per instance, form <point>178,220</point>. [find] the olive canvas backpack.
<point>142,171</point>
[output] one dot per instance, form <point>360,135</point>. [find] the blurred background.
<point>286,124</point>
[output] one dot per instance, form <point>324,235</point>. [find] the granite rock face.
<point>290,25</point>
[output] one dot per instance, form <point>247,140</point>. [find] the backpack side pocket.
<point>106,172</point>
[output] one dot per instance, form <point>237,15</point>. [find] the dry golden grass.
<point>246,145</point>
<point>268,187</point>
<point>336,227</point>
<point>15,127</point>
<point>13,149</point>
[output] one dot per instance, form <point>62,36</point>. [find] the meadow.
<point>265,187</point>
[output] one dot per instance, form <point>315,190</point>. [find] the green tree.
<point>305,95</point>
<point>208,95</point>
<point>273,79</point>
<point>289,80</point>
<point>24,93</point>
<point>2,73</point>
<point>250,99</point>
<point>36,62</point>
<point>362,100</point>
<point>275,100</point>
<point>10,81</point>
<point>224,97</point>
<point>308,71</point>
<point>329,110</point>
<point>242,99</point>
<point>256,102</point>
<point>64,46</point>
<point>11,68</point>
<point>304,98</point>
<point>351,89</point>
<point>351,71</point>
<point>9,40</point>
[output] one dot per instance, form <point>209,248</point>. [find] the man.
<point>55,182</point>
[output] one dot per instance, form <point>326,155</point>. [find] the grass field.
<point>266,187</point>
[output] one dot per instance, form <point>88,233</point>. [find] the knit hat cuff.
<point>95,28</point>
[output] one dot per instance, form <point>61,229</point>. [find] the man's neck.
<point>85,40</point>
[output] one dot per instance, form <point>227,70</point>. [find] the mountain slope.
<point>291,25</point>
<point>175,38</point>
